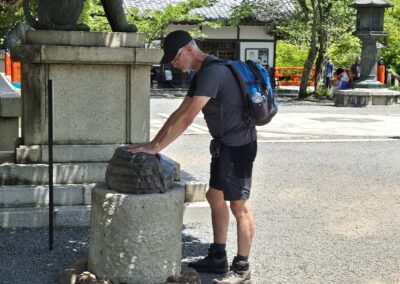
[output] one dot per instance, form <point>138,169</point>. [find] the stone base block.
<point>69,173</point>
<point>366,97</point>
<point>195,191</point>
<point>66,153</point>
<point>9,133</point>
<point>136,238</point>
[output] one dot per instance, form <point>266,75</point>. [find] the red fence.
<point>291,76</point>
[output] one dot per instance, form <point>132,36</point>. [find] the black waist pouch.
<point>215,148</point>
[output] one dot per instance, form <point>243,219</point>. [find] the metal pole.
<point>50,142</point>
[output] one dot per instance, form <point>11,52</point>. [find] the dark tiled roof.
<point>220,10</point>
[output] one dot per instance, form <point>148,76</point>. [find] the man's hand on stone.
<point>142,148</point>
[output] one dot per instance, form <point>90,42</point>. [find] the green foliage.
<point>93,15</point>
<point>321,93</point>
<point>334,18</point>
<point>10,17</point>
<point>290,55</point>
<point>153,23</point>
<point>391,53</point>
<point>345,50</point>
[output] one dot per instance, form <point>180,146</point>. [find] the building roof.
<point>220,10</point>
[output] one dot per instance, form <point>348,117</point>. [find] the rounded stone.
<point>136,238</point>
<point>139,173</point>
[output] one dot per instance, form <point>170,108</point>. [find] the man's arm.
<point>175,125</point>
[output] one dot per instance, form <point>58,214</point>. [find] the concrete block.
<point>10,104</point>
<point>366,97</point>
<point>28,154</point>
<point>81,38</point>
<point>66,153</point>
<point>136,238</point>
<point>148,56</point>
<point>38,196</point>
<point>195,191</point>
<point>7,157</point>
<point>8,133</point>
<point>196,212</point>
<point>37,174</point>
<point>80,153</point>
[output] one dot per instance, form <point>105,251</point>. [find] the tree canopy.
<point>391,50</point>
<point>320,28</point>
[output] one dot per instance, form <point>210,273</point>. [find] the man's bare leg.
<point>219,215</point>
<point>243,213</point>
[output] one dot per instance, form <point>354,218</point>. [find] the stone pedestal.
<point>136,238</point>
<point>101,89</point>
<point>365,97</point>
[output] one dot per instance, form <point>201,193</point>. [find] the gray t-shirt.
<point>216,81</point>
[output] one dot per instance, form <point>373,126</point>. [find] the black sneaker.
<point>239,273</point>
<point>211,264</point>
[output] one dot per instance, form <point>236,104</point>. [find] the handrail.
<point>290,76</point>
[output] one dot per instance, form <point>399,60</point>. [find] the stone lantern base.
<point>365,97</point>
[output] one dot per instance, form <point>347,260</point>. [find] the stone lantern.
<point>369,28</point>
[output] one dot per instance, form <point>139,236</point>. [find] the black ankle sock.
<point>219,249</point>
<point>242,258</point>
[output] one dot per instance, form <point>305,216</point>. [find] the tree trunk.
<point>312,53</point>
<point>321,58</point>
<point>323,39</point>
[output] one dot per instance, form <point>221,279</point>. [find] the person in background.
<point>355,70</point>
<point>328,73</point>
<point>341,81</point>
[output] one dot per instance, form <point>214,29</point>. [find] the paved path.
<point>326,193</point>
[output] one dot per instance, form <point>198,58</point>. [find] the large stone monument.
<point>369,28</point>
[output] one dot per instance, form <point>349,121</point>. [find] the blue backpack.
<point>255,83</point>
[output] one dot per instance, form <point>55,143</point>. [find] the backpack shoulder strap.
<point>242,83</point>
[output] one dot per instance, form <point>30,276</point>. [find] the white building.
<point>250,40</point>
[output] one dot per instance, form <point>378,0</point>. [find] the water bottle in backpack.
<point>256,96</point>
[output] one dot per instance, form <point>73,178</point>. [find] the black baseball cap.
<point>172,43</point>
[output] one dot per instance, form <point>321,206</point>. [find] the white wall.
<point>254,32</point>
<point>221,33</point>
